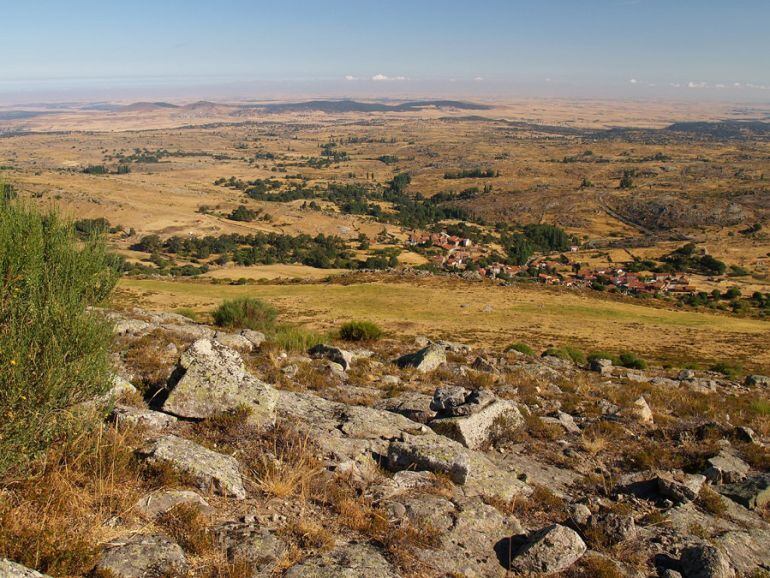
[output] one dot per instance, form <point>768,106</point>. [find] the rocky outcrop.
<point>349,561</point>
<point>211,379</point>
<point>157,503</point>
<point>141,556</point>
<point>705,561</point>
<point>469,417</point>
<point>145,418</point>
<point>413,405</point>
<point>210,471</point>
<point>726,468</point>
<point>251,543</point>
<point>425,360</point>
<point>752,493</point>
<point>550,550</point>
<point>10,569</point>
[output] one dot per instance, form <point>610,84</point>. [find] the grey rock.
<point>210,470</point>
<point>580,514</point>
<point>448,397</point>
<point>473,431</point>
<point>477,473</point>
<point>142,556</point>
<point>746,434</point>
<point>485,365</point>
<point>413,405</point>
<point>616,527</point>
<point>349,561</point>
<point>601,366</point>
<point>153,505</point>
<point>211,379</point>
<point>705,561</point>
<point>234,341</point>
<point>403,482</point>
<point>680,487</point>
<point>335,354</point>
<point>249,542</point>
<point>726,468</point>
<point>255,337</point>
<point>752,493</point>
<point>640,411</point>
<point>550,550</point>
<point>758,381</point>
<point>132,327</point>
<point>424,360</point>
<point>10,569</point>
<point>685,374</point>
<point>146,418</point>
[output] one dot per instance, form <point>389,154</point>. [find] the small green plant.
<point>360,331</point>
<point>595,355</point>
<point>729,369</point>
<point>245,313</point>
<point>53,350</point>
<point>292,338</point>
<point>631,361</point>
<point>567,353</point>
<point>187,312</point>
<point>521,348</point>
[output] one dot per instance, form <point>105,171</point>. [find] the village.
<point>461,254</point>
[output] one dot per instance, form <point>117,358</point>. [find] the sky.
<point>593,48</point>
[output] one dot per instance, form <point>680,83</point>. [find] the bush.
<point>245,313</point>
<point>521,348</point>
<point>594,355</point>
<point>632,361</point>
<point>728,369</point>
<point>293,338</point>
<point>567,353</point>
<point>360,331</point>
<point>53,352</point>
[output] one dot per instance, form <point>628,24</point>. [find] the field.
<point>551,161</point>
<point>486,315</point>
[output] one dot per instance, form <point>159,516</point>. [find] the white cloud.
<point>384,78</point>
<point>675,84</point>
<point>633,81</point>
<point>479,79</point>
<point>720,85</point>
<point>692,84</point>
<point>350,77</point>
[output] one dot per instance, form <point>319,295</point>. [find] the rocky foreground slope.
<point>431,459</point>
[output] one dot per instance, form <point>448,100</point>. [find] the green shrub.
<point>567,353</point>
<point>728,369</point>
<point>292,338</point>
<point>631,361</point>
<point>594,355</point>
<point>521,348</point>
<point>53,351</point>
<point>245,313</point>
<point>360,331</point>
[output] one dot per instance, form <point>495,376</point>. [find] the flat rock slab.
<point>753,492</point>
<point>142,556</point>
<point>250,543</point>
<point>471,469</point>
<point>210,379</point>
<point>145,418</point>
<point>10,569</point>
<point>550,550</point>
<point>351,561</point>
<point>210,470</point>
<point>157,503</point>
<point>424,360</point>
<point>726,468</point>
<point>335,354</point>
<point>413,405</point>
<point>473,430</point>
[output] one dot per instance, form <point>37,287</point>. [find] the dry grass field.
<point>485,315</point>
<point>703,189</point>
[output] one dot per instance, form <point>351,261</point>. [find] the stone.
<point>601,366</point>
<point>153,505</point>
<point>413,405</point>
<point>485,365</point>
<point>745,434</point>
<point>473,470</point>
<point>758,381</point>
<point>145,418</point>
<point>705,561</point>
<point>580,514</point>
<point>726,468</point>
<point>334,369</point>
<point>550,550</point>
<point>473,431</point>
<point>563,420</point>
<point>10,569</point>
<point>752,493</point>
<point>208,469</point>
<point>234,341</point>
<point>335,354</point>
<point>141,556</point>
<point>641,412</point>
<point>256,338</point>
<point>447,398</point>
<point>615,527</point>
<point>424,360</point>
<point>685,374</point>
<point>248,542</point>
<point>210,379</point>
<point>680,487</point>
<point>133,327</point>
<point>349,561</point>
<point>403,482</point>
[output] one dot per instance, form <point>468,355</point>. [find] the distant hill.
<point>728,129</point>
<point>337,106</point>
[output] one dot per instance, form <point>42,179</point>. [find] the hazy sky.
<point>631,48</point>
